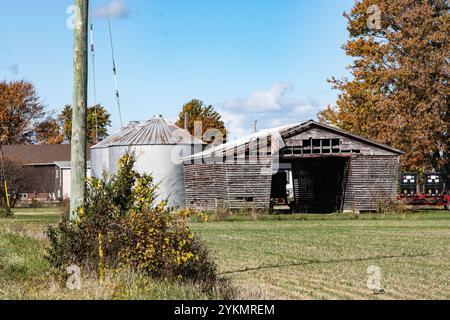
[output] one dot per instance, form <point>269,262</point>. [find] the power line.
<point>93,76</point>
<point>116,86</point>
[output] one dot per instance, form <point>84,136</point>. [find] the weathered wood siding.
<point>205,186</point>
<point>232,186</point>
<point>372,179</point>
<point>248,186</point>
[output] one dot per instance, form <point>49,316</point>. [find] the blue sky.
<point>265,60</point>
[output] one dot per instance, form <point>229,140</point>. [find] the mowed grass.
<point>327,257</point>
<point>272,257</point>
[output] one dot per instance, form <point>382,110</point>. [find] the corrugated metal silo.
<point>158,146</point>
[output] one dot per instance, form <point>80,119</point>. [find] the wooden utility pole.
<point>79,107</point>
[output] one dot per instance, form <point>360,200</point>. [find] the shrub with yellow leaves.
<point>122,225</point>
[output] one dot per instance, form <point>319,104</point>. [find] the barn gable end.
<point>347,143</point>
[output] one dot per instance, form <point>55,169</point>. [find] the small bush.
<point>121,226</point>
<point>389,206</point>
<point>5,212</point>
<point>222,213</point>
<point>69,245</point>
<point>157,242</point>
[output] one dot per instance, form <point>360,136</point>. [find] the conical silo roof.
<point>157,131</point>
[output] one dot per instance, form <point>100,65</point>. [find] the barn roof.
<point>285,132</point>
<point>41,154</point>
<point>232,145</point>
<point>157,131</point>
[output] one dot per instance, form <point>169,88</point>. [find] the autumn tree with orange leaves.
<point>196,110</point>
<point>20,111</point>
<point>399,92</point>
<point>49,131</point>
<point>24,121</point>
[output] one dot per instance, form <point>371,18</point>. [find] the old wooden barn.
<point>329,170</point>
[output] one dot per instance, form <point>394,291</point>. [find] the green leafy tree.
<point>98,119</point>
<point>56,130</point>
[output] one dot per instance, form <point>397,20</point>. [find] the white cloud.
<point>262,101</point>
<point>235,123</point>
<point>116,9</point>
<point>271,108</point>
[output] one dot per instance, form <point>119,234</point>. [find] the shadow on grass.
<point>312,262</point>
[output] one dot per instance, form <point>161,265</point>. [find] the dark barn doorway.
<point>320,184</point>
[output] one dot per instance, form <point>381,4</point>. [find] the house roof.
<point>68,165</point>
<point>285,132</point>
<point>157,131</point>
<point>39,154</point>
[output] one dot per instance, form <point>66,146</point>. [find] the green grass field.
<point>273,257</point>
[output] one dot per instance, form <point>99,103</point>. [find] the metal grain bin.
<point>158,145</point>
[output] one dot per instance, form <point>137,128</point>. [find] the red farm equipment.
<point>432,194</point>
